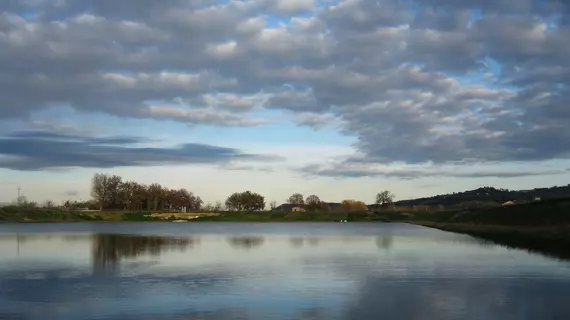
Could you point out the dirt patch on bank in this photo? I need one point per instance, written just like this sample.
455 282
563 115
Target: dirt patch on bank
183 215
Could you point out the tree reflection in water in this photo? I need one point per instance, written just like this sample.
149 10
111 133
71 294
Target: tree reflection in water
246 242
110 249
385 242
296 242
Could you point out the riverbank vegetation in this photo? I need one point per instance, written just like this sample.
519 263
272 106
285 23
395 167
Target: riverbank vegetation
111 194
553 212
118 200
549 213
19 214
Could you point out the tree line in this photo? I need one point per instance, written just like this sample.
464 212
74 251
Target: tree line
314 203
111 192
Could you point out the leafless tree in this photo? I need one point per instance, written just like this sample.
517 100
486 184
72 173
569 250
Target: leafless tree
100 188
296 199
312 202
384 197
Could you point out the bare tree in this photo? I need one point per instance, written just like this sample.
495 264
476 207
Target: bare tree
156 194
114 191
313 202
208 207
127 194
21 200
139 196
100 188
296 199
109 191
273 204
48 204
384 197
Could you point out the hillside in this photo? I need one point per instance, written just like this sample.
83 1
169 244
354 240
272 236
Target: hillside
490 195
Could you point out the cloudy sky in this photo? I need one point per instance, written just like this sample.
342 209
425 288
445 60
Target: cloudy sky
337 98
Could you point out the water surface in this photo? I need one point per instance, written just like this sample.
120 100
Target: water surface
270 271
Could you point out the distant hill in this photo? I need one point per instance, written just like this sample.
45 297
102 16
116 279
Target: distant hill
490 195
481 197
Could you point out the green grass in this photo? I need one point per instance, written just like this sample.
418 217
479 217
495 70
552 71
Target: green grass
20 214
23 214
541 213
289 217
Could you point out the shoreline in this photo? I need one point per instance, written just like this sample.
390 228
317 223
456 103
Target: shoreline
536 232
550 241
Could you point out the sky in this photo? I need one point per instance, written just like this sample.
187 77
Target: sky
342 99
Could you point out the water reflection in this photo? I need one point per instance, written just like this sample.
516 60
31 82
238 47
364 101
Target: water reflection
384 242
296 242
555 248
346 272
299 242
110 249
461 298
246 243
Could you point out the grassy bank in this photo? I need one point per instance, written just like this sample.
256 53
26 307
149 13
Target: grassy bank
18 214
551 213
539 226
290 216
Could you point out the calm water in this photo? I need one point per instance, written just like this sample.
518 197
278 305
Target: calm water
270 271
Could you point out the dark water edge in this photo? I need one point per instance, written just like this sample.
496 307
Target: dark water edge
551 242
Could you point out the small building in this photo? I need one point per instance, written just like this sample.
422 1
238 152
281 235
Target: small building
298 209
287 207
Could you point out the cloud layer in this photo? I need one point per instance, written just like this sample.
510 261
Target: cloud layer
36 150
344 170
435 81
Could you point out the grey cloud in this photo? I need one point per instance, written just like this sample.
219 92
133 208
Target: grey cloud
43 150
242 167
344 171
294 101
291 7
362 15
202 116
50 136
318 120
429 18
501 7
394 74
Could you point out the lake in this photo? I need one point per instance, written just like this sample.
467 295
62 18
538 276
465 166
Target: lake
272 271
